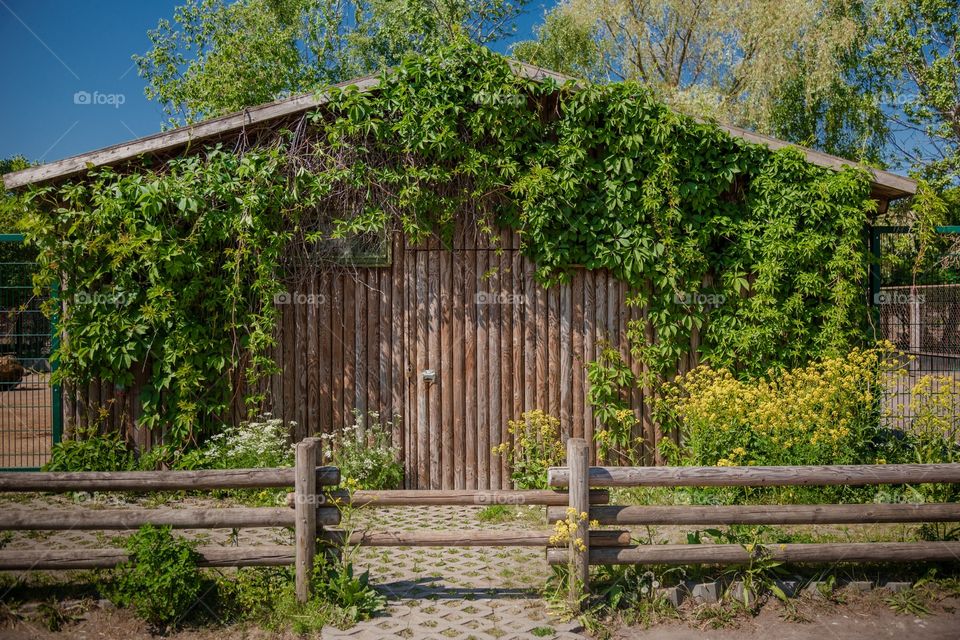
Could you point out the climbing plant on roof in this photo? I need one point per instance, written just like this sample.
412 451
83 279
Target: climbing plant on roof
169 272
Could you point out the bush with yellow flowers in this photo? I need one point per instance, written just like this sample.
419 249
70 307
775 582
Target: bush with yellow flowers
536 446
827 412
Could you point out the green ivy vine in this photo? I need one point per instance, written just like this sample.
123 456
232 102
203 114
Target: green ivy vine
758 251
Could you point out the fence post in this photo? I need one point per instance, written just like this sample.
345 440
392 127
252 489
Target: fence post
305 506
578 461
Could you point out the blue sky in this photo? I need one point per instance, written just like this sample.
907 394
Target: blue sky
69 84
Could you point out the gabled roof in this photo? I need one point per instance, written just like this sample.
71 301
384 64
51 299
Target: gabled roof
886 185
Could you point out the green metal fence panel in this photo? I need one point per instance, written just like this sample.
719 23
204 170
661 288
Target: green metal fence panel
915 302
30 407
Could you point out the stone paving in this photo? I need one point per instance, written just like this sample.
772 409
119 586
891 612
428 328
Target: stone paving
432 593
466 593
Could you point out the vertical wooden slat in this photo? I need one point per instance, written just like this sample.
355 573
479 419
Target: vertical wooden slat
276 380
519 304
458 417
508 300
423 418
312 399
553 351
385 352
483 373
399 344
472 421
566 360
289 363
602 334
411 419
300 305
576 332
360 346
324 353
589 353
543 343
349 348
435 363
446 373
495 367
372 341
636 391
529 337
336 347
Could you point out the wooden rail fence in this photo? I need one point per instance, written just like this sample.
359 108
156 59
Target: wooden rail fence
313 510
578 477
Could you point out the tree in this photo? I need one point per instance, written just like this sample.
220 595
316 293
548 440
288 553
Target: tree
219 56
779 67
914 60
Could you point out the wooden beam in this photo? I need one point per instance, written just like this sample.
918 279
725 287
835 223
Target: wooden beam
467 538
479 498
689 554
855 475
66 559
768 514
189 518
62 481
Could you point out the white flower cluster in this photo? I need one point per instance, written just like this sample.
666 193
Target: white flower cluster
262 443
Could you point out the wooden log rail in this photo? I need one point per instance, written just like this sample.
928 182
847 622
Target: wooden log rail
853 475
468 538
459 497
722 554
768 514
144 481
577 477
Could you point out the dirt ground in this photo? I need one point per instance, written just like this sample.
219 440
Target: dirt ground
862 619
25 423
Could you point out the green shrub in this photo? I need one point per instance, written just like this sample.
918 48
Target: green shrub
160 581
90 451
364 454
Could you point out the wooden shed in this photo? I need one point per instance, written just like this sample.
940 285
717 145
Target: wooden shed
446 342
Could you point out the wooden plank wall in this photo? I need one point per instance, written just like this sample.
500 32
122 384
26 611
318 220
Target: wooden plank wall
500 344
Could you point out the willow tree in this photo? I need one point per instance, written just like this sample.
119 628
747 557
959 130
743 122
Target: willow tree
782 67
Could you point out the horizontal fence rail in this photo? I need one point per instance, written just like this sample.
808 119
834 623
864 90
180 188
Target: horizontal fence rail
68 559
468 538
720 554
190 518
443 497
769 514
853 475
207 479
